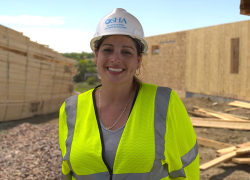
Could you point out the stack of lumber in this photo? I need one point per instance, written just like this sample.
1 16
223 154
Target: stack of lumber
34 79
237 154
240 104
211 118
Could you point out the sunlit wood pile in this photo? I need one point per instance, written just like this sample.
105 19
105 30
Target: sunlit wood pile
210 118
239 153
34 79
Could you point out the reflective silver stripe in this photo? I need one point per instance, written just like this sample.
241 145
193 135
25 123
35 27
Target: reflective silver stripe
186 160
161 107
66 177
97 176
158 171
162 98
70 110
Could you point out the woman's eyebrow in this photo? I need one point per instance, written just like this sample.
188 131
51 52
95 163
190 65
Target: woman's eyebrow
107 45
128 47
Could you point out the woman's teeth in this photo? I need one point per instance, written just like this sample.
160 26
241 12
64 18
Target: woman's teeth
115 70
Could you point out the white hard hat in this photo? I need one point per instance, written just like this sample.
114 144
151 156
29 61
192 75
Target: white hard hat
119 22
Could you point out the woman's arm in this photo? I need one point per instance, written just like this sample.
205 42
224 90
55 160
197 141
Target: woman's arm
181 148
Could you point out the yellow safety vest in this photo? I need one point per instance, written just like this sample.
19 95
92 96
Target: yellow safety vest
158 141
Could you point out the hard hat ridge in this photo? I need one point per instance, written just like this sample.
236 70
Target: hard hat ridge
119 22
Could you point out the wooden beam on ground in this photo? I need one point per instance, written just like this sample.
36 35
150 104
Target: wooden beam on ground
220 115
243 145
217 160
219 123
241 160
244 105
241 102
243 150
199 114
211 143
232 109
226 150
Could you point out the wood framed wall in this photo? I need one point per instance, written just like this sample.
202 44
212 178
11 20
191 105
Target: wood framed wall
166 68
200 61
209 61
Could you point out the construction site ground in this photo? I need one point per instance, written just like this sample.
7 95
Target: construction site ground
29 148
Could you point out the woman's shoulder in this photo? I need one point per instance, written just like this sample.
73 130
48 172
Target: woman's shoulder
148 85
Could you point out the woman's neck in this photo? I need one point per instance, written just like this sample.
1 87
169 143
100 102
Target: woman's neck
116 94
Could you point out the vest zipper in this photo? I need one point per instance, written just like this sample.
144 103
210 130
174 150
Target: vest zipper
101 136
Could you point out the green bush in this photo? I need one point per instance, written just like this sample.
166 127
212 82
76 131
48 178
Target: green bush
91 80
77 78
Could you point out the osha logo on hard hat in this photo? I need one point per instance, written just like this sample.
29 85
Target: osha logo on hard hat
116 20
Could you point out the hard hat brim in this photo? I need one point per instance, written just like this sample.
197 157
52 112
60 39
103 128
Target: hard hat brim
93 40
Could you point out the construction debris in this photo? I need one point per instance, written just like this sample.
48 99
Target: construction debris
240 104
229 153
232 109
220 123
212 143
220 115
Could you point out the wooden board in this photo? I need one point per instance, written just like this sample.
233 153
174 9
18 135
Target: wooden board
220 115
216 123
241 160
243 150
226 150
217 160
239 105
211 143
243 145
240 148
231 109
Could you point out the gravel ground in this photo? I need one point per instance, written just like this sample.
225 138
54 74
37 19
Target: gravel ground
30 152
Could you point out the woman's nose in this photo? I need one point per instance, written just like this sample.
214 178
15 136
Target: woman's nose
116 58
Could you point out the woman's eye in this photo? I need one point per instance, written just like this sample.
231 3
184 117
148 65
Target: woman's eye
107 50
127 52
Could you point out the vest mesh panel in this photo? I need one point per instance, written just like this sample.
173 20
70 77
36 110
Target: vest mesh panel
86 150
138 150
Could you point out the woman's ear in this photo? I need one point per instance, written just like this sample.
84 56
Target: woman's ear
139 61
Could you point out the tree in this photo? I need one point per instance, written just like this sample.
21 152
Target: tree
85 64
82 68
79 56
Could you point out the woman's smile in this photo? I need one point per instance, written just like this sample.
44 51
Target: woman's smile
115 71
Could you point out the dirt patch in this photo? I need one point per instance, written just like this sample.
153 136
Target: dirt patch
29 147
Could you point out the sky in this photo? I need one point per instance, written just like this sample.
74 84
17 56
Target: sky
68 26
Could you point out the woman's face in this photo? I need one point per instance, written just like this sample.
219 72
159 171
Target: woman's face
117 59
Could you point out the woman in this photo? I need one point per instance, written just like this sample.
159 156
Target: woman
125 129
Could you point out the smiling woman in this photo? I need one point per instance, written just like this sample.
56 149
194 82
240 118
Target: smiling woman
123 128
117 60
